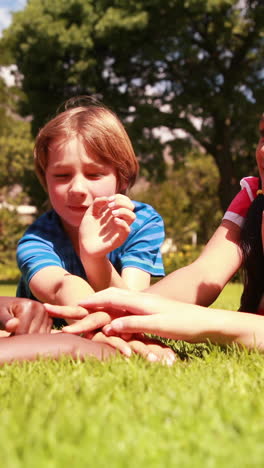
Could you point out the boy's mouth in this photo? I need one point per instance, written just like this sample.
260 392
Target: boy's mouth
78 209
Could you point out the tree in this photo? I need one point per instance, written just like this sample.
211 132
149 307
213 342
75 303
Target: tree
196 65
187 200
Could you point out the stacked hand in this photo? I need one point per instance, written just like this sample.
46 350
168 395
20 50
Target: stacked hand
23 316
89 323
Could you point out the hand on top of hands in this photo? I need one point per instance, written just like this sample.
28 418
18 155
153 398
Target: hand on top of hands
24 316
106 225
126 343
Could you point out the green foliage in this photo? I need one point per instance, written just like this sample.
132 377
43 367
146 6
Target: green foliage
10 232
16 152
180 60
175 260
17 167
188 200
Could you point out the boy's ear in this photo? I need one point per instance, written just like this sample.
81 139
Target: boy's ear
122 188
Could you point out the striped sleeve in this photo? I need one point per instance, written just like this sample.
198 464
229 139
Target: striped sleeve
33 254
143 246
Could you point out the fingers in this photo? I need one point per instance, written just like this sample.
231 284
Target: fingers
122 299
12 325
5 317
123 214
44 326
89 323
32 318
120 201
115 342
70 312
155 324
108 331
153 351
122 209
115 202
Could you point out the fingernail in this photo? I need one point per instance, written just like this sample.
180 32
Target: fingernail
111 198
169 361
115 212
152 357
117 325
127 352
107 329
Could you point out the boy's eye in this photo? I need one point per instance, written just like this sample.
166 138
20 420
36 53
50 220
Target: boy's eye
60 176
94 175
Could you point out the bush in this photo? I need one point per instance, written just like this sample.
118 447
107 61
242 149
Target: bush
186 255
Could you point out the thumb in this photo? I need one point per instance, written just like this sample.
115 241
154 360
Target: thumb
134 324
11 325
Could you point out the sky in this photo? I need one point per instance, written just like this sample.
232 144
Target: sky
6 7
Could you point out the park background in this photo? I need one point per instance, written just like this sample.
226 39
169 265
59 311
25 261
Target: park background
186 77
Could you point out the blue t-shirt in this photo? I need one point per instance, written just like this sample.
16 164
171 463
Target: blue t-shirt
45 243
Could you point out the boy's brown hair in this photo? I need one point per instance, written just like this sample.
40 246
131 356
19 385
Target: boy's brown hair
103 136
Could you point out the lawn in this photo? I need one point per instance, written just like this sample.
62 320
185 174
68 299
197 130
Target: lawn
205 411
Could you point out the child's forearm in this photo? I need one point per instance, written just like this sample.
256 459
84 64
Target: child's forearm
31 347
198 324
176 320
57 286
101 273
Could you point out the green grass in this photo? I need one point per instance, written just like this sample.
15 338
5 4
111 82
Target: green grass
205 411
230 297
8 289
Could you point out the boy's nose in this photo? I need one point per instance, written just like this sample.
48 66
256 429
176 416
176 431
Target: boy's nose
78 186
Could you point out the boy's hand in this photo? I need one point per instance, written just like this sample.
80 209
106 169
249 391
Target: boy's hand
105 225
24 316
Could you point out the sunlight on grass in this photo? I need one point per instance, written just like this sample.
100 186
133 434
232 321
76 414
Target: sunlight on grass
205 411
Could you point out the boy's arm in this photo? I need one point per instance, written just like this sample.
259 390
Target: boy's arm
55 285
104 228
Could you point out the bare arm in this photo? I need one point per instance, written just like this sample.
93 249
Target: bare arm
31 347
57 286
104 228
203 280
176 320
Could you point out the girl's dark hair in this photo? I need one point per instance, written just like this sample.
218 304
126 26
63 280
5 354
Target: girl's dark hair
253 260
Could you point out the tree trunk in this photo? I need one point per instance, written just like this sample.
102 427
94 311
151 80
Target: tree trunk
229 183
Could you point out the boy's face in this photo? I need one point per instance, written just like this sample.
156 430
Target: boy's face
74 179
260 152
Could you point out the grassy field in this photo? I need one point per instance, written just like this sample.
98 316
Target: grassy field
205 411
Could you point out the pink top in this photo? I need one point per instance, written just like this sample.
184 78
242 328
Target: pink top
238 208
